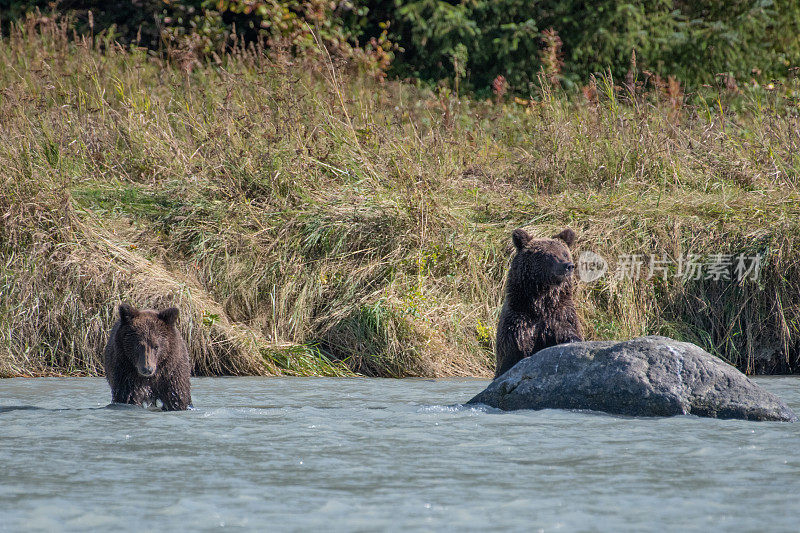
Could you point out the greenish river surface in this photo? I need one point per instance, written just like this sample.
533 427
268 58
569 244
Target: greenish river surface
324 454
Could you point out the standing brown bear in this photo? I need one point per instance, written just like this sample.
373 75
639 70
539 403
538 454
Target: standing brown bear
538 311
146 359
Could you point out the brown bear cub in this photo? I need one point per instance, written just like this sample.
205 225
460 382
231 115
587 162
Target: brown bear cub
538 311
146 359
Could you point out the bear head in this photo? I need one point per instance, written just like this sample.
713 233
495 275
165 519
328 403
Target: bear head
541 263
147 336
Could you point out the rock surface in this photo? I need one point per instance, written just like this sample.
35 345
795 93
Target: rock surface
648 376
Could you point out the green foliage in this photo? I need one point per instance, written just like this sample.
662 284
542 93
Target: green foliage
493 37
692 41
203 27
470 43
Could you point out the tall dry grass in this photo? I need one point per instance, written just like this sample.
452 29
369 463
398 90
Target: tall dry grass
308 219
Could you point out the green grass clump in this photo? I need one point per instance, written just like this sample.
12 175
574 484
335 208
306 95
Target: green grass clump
310 220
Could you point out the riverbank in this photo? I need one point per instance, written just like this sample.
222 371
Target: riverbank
310 220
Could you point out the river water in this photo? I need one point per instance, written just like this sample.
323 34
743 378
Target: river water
376 454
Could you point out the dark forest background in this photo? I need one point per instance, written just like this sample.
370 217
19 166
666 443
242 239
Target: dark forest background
468 44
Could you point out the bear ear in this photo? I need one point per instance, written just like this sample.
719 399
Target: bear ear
127 312
521 238
169 316
566 235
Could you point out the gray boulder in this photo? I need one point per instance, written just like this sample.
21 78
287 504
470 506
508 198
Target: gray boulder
648 376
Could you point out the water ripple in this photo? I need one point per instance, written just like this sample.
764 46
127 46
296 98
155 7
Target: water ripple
367 454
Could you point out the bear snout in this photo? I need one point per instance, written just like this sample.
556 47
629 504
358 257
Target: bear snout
145 366
565 270
146 371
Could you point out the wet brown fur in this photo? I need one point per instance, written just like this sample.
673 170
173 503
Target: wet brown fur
142 341
538 311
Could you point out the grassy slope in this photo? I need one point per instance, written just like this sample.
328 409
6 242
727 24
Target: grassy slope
301 216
